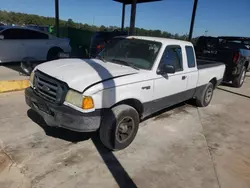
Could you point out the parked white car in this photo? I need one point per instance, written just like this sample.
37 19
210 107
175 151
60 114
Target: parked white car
19 44
129 80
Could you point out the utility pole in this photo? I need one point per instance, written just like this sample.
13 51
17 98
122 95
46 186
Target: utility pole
132 17
192 20
57 17
123 16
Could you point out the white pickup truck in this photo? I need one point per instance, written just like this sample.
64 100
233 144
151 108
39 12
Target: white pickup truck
130 79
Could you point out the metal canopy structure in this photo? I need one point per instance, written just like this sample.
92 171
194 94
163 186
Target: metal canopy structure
132 16
133 4
127 2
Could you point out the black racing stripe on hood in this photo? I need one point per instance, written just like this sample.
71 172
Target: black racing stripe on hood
106 80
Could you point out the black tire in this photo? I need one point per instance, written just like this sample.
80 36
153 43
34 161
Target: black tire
28 64
53 53
239 80
206 96
116 122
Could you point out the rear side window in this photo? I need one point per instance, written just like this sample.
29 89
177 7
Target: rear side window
23 34
173 56
35 35
190 56
14 34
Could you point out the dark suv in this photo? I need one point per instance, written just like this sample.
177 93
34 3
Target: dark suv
100 39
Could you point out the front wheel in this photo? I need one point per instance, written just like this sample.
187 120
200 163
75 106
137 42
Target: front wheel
119 127
206 96
239 80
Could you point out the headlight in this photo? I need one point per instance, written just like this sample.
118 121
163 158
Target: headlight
77 99
32 75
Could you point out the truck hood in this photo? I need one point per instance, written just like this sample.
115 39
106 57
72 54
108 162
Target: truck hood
81 73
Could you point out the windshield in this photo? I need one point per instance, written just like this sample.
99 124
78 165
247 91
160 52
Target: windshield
132 52
236 43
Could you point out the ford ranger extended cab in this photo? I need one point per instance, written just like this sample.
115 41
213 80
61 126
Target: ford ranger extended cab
129 80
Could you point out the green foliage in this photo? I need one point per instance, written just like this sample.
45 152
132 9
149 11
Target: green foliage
22 19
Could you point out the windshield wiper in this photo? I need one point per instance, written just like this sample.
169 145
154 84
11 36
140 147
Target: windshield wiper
98 56
126 63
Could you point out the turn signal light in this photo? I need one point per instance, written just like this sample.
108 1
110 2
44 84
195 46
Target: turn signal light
87 103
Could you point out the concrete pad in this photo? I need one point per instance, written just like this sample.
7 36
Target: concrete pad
226 126
12 72
11 78
10 175
170 150
183 147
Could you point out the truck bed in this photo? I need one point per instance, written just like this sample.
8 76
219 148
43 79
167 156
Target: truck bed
202 63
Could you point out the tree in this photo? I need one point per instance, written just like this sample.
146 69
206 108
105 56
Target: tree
22 18
102 28
70 23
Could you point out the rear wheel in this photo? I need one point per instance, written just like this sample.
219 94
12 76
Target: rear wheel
239 80
206 96
53 53
28 64
119 127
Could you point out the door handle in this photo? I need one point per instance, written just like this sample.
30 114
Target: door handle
146 87
184 77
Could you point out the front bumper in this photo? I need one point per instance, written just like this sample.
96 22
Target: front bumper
63 116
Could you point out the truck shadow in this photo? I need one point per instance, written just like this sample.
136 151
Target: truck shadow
226 84
177 106
116 169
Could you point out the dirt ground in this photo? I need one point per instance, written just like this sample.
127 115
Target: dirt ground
183 147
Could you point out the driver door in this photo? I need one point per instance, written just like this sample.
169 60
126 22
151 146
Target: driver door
169 88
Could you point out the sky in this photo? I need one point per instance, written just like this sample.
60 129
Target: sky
218 17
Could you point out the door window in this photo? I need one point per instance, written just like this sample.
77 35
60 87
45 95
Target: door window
172 56
190 56
36 35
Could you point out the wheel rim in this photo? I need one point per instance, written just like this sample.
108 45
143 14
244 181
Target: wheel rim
125 129
209 94
26 67
242 77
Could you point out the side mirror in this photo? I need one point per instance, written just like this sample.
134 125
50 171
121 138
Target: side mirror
166 69
1 37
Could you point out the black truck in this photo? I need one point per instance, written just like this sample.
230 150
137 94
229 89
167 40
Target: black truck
233 51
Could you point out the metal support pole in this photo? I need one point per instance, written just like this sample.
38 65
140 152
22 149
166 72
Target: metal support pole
57 17
132 17
123 15
192 20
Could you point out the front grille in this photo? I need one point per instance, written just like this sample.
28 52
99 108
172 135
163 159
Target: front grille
49 88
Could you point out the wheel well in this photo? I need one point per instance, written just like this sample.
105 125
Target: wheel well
214 82
54 49
134 103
